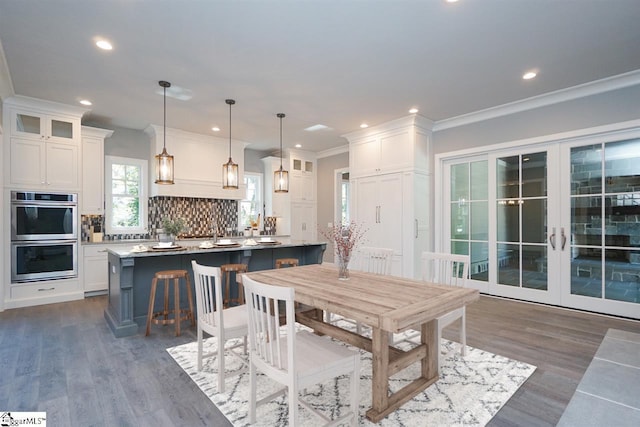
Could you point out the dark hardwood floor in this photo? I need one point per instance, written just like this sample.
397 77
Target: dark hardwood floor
62 359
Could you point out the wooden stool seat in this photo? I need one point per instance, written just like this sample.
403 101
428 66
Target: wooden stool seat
163 317
284 262
226 270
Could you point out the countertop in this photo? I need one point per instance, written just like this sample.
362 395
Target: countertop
192 247
191 241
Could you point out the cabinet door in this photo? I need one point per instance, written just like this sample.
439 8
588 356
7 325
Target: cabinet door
303 221
396 152
62 165
364 158
95 273
28 160
27 125
92 176
302 187
389 191
366 208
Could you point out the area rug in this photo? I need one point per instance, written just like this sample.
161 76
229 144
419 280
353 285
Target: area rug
470 391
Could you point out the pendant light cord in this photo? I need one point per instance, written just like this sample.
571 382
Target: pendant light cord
280 116
164 128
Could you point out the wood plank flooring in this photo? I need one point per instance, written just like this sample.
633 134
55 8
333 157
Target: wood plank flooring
62 359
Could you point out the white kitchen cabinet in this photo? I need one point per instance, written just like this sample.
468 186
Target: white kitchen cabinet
378 208
42 147
40 164
198 161
393 147
29 124
303 222
94 265
302 176
389 170
92 197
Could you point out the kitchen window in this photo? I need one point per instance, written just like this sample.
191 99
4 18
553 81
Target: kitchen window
125 195
251 206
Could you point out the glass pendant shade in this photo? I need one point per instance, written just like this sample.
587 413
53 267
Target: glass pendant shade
230 169
164 168
164 161
281 176
230 175
281 181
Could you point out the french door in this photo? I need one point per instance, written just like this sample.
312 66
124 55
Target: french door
557 223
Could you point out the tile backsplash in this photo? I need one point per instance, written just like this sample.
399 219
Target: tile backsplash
204 217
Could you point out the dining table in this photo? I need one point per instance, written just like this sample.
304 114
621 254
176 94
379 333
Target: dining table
387 304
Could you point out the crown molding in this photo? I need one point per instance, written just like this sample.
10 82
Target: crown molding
332 151
401 123
44 106
595 87
96 132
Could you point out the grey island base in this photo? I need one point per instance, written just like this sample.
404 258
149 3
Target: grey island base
131 273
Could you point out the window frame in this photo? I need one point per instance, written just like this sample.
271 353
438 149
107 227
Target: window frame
142 164
260 192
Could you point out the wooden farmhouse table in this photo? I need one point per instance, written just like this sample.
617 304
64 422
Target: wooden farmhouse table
386 304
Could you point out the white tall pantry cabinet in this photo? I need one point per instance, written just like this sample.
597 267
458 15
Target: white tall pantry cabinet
296 210
390 174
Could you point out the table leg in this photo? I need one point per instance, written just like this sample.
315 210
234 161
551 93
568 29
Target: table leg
380 368
429 336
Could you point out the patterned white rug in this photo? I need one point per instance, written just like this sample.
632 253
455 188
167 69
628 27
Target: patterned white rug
470 391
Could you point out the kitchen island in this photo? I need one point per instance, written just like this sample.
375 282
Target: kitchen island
130 273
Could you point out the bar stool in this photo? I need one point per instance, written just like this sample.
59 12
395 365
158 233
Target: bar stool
178 314
226 270
286 262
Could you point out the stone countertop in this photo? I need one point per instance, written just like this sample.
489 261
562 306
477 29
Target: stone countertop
182 242
192 247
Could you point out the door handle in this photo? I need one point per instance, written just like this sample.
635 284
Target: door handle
416 223
563 238
552 239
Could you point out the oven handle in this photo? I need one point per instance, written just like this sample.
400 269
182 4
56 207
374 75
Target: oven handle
41 203
43 242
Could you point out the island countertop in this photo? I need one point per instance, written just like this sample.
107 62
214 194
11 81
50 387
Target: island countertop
131 272
190 247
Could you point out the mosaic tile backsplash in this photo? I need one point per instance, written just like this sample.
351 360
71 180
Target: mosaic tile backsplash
204 217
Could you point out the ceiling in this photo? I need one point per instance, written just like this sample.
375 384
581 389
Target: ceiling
338 63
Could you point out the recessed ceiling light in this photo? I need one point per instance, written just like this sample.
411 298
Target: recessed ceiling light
104 44
298 145
529 75
215 129
85 102
452 1
364 125
413 110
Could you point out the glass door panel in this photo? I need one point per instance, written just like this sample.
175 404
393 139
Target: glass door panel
605 225
469 215
521 220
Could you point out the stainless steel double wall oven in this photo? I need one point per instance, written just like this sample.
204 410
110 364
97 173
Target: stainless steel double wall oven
44 236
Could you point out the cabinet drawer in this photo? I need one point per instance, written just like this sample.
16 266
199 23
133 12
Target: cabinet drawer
95 251
43 289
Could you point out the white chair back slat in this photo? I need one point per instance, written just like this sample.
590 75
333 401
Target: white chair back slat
267 340
208 294
445 269
375 260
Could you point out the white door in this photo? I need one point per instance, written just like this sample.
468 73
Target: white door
558 224
601 219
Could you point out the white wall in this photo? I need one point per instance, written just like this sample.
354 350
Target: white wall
325 192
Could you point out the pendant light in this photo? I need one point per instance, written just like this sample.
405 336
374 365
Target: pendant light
164 162
281 176
230 169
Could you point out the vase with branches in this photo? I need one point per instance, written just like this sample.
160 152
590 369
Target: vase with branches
345 238
172 228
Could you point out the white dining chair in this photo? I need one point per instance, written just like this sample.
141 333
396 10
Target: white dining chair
370 260
452 270
223 323
296 360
